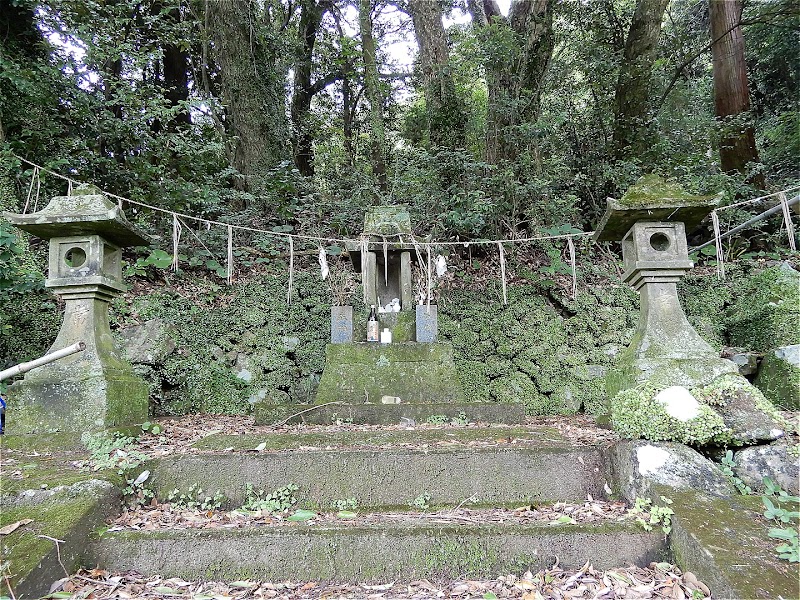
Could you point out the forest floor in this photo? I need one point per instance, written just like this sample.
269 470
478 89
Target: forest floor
657 581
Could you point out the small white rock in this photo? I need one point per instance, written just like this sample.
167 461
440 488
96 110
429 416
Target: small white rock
651 458
679 403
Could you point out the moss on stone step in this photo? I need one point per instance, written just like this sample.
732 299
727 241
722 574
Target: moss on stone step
542 436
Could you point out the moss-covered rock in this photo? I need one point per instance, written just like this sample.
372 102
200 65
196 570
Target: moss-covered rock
765 313
779 377
731 412
635 413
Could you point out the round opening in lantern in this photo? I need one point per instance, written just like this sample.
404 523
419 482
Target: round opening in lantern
75 257
659 242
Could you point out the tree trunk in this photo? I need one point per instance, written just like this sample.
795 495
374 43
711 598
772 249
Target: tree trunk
632 98
446 113
731 92
253 88
514 78
176 81
311 13
373 93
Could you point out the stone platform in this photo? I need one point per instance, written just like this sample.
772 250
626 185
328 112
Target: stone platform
360 378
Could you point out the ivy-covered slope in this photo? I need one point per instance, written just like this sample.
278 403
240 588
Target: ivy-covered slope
239 344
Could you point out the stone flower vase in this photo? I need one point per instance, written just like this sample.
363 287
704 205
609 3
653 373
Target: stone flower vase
341 324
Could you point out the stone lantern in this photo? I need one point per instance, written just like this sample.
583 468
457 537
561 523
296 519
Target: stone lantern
97 388
650 220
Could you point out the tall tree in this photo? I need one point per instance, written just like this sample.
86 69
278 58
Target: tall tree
253 85
731 90
517 51
446 112
373 92
311 14
632 96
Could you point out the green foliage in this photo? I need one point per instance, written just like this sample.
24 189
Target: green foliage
111 451
438 420
782 508
277 501
346 505
728 465
767 310
14 277
153 428
136 493
421 502
650 515
195 499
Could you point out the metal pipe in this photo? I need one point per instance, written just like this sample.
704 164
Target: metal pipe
767 213
47 358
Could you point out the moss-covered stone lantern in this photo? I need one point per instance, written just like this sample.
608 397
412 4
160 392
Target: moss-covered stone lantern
97 388
651 220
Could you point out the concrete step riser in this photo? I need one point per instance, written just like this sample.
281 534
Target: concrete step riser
394 478
373 554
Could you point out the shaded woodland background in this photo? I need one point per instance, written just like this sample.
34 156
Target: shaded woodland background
297 114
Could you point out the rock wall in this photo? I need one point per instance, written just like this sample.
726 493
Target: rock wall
223 348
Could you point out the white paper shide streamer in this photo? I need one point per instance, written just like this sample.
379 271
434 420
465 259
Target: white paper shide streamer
787 219
441 265
323 263
718 243
571 248
291 270
503 271
176 240
230 254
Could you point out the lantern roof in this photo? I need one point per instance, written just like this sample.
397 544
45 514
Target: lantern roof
87 211
652 198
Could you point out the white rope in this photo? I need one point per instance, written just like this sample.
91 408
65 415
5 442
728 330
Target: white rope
503 271
230 255
787 219
176 240
291 270
760 198
718 244
571 247
209 222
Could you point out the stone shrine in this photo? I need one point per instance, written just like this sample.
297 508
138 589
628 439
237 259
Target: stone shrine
651 220
97 388
413 377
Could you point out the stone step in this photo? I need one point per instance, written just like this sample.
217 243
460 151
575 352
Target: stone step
392 477
387 414
373 553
